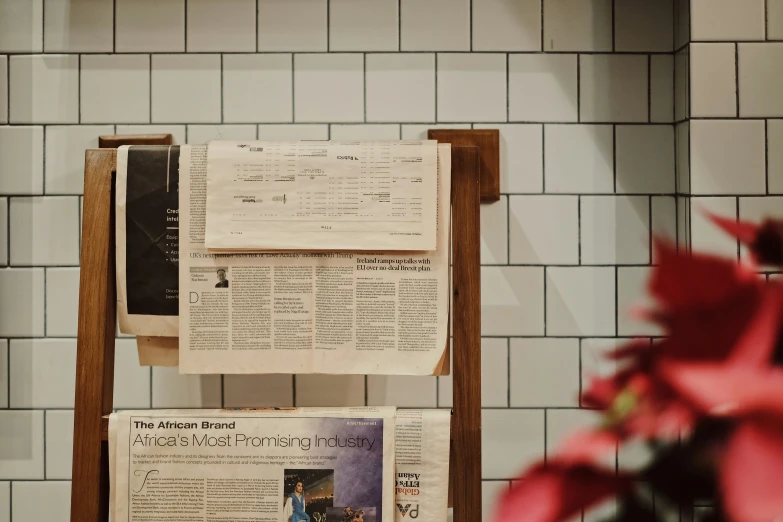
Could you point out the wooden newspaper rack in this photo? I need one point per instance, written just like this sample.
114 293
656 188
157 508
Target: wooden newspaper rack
97 328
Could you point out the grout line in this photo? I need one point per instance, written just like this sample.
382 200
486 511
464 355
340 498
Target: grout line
737 210
766 20
543 47
470 19
364 84
614 44
328 25
508 372
766 157
614 157
649 88
650 228
186 25
258 35
150 111
436 88
546 446
293 389
293 89
543 158
545 307
578 88
79 87
736 77
405 51
114 28
44 438
508 88
579 229
222 97
508 229
616 303
399 25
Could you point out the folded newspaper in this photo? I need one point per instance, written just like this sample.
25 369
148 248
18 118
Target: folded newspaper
279 465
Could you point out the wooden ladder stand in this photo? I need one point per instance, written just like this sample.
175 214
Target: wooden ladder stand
97 320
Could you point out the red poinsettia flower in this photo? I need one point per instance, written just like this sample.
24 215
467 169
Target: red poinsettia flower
765 241
567 483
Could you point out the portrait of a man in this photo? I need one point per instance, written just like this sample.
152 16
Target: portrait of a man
222 281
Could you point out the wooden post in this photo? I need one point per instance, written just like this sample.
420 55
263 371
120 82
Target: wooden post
466 288
95 345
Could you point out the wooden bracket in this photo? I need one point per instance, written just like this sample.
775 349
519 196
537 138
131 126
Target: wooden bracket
488 143
115 141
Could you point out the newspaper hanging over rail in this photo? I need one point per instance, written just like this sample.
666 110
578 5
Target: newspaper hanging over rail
321 195
281 465
309 312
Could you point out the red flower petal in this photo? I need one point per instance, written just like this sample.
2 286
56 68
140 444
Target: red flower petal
556 493
586 447
744 231
752 473
727 391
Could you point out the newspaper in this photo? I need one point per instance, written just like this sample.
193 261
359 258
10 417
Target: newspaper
279 465
306 312
244 465
147 239
321 195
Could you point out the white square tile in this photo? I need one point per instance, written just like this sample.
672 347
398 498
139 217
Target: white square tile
131 381
720 149
775 19
292 26
775 155
43 373
682 157
363 25
65 146
645 159
632 295
578 159
328 87
22 302
22 446
27 505
544 372
329 390
577 25
511 300
177 131
186 88
21 160
494 232
506 25
705 236
760 79
615 230
580 301
471 87
682 84
404 391
78 26
364 132
293 132
59 444
494 376
228 25
596 358
256 391
521 157
544 230
150 26
4 374
400 87
435 25
3 89
5 502
3 231
644 26
21 26
662 88
613 88
202 134
542 87
664 219
247 75
62 301
491 490
511 440
111 77
560 424
44 89
172 390
44 230
727 20
419 132
712 80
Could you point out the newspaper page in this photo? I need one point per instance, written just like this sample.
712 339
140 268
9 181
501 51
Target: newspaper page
321 195
422 441
280 465
147 239
305 312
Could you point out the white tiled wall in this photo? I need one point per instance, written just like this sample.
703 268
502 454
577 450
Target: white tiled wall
584 92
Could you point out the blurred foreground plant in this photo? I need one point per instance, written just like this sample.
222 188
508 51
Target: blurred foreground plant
707 399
